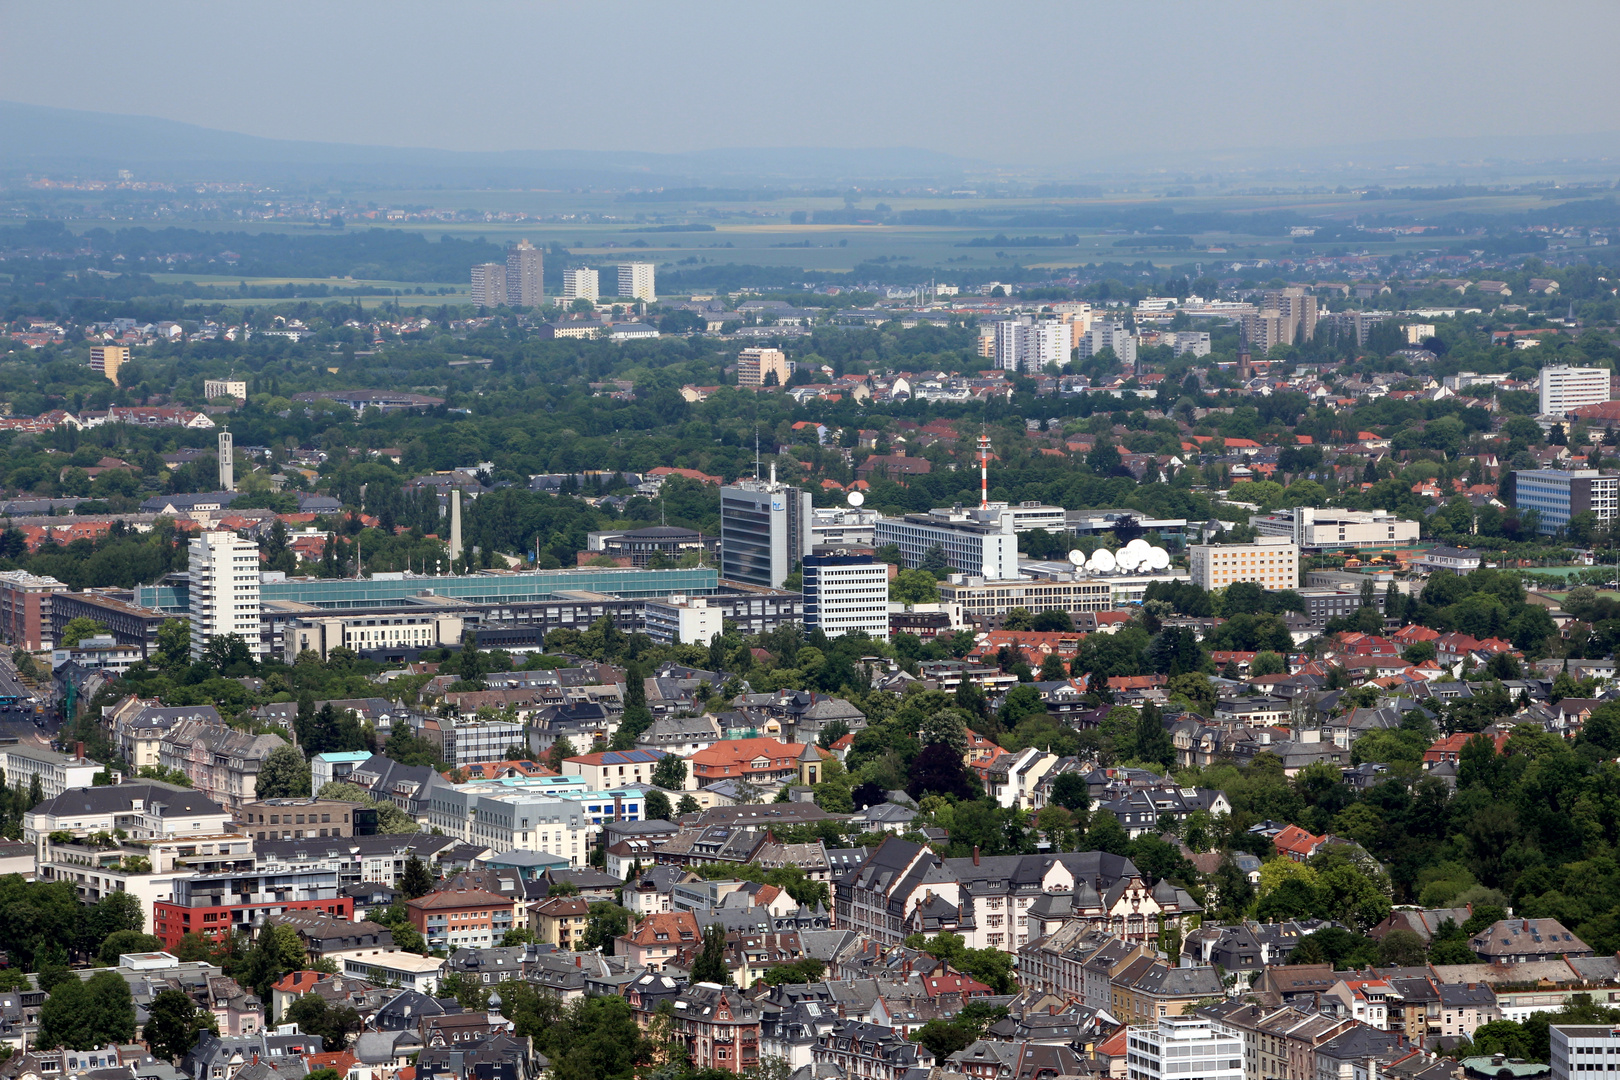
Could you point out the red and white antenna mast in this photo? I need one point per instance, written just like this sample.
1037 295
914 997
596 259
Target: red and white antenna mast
984 471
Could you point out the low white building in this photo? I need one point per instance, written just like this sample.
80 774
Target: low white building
56 772
1323 530
406 970
685 619
1184 1046
99 653
1014 776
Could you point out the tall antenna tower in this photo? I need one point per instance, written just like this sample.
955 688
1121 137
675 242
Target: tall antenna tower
984 471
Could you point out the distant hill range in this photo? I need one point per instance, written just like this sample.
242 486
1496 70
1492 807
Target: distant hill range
66 142
60 142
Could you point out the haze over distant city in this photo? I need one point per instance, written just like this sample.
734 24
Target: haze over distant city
1039 86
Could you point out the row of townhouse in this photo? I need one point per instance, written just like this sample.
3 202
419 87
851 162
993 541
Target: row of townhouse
1002 902
1127 979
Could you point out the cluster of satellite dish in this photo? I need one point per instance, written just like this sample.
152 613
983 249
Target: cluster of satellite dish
1138 556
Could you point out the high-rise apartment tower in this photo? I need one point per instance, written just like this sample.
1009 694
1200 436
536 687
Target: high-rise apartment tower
525 285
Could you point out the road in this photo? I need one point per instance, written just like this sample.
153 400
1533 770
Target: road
20 722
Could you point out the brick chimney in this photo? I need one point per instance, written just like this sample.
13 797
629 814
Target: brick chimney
975 854
78 750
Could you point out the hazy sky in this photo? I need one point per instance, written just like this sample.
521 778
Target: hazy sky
1040 81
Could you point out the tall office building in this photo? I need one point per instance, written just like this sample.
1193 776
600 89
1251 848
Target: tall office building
846 594
764 531
754 365
525 283
107 359
1565 389
224 577
488 285
580 283
636 282
1556 495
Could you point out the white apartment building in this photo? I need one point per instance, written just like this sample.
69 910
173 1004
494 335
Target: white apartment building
1027 345
581 283
231 388
1272 562
1565 389
846 594
504 818
1110 335
1185 1046
636 281
1319 530
1014 776
57 772
224 573
980 543
1184 342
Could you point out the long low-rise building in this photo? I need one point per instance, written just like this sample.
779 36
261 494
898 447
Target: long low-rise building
379 859
56 772
1324 530
398 631
1557 496
974 541
985 598
503 816
128 624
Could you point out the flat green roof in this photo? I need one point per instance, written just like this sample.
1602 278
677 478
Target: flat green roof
631 583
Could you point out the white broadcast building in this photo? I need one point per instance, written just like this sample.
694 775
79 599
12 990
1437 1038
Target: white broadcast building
224 578
1565 389
978 542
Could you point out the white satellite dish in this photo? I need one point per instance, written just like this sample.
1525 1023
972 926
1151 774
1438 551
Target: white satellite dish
855 498
1102 561
1077 557
1140 546
1158 559
1128 559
